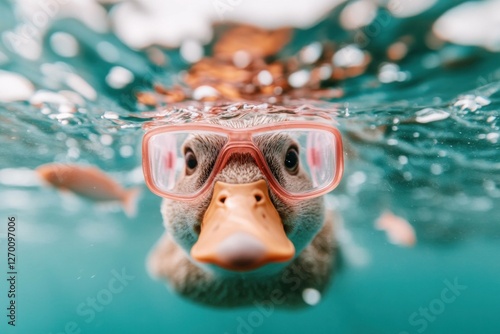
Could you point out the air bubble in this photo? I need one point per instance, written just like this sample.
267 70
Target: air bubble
311 53
126 151
241 59
204 92
191 51
436 169
348 56
403 160
265 78
106 140
493 137
299 79
118 77
311 296
74 153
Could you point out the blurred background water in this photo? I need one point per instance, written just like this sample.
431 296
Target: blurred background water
421 129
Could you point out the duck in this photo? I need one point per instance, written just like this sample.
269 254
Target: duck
236 280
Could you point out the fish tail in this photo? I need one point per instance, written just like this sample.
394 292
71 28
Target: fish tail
130 202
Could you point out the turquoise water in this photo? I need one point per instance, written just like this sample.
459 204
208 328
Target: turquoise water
425 148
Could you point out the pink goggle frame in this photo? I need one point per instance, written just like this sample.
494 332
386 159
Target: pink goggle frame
240 140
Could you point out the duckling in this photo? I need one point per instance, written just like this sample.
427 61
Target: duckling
235 278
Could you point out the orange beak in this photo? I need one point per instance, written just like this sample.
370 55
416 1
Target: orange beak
241 229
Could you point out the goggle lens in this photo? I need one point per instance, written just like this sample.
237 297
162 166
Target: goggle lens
300 161
174 155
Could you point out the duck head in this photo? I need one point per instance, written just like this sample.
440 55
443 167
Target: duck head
240 226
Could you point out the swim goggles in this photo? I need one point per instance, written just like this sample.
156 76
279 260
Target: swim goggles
299 159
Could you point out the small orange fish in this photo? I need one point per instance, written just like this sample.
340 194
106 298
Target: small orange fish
89 182
399 231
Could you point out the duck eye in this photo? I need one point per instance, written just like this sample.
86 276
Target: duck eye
292 160
190 160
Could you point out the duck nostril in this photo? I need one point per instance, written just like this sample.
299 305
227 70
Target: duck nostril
222 199
258 197
197 229
288 229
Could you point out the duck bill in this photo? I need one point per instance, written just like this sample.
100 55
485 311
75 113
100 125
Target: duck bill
241 229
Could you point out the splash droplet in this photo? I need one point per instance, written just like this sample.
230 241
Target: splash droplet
299 79
106 139
14 87
64 44
191 51
311 53
429 115
265 78
118 77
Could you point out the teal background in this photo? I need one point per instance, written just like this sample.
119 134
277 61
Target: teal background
68 247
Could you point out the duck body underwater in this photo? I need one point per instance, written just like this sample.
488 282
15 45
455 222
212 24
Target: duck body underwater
243 208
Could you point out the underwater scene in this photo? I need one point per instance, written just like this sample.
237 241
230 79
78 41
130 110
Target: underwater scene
232 166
